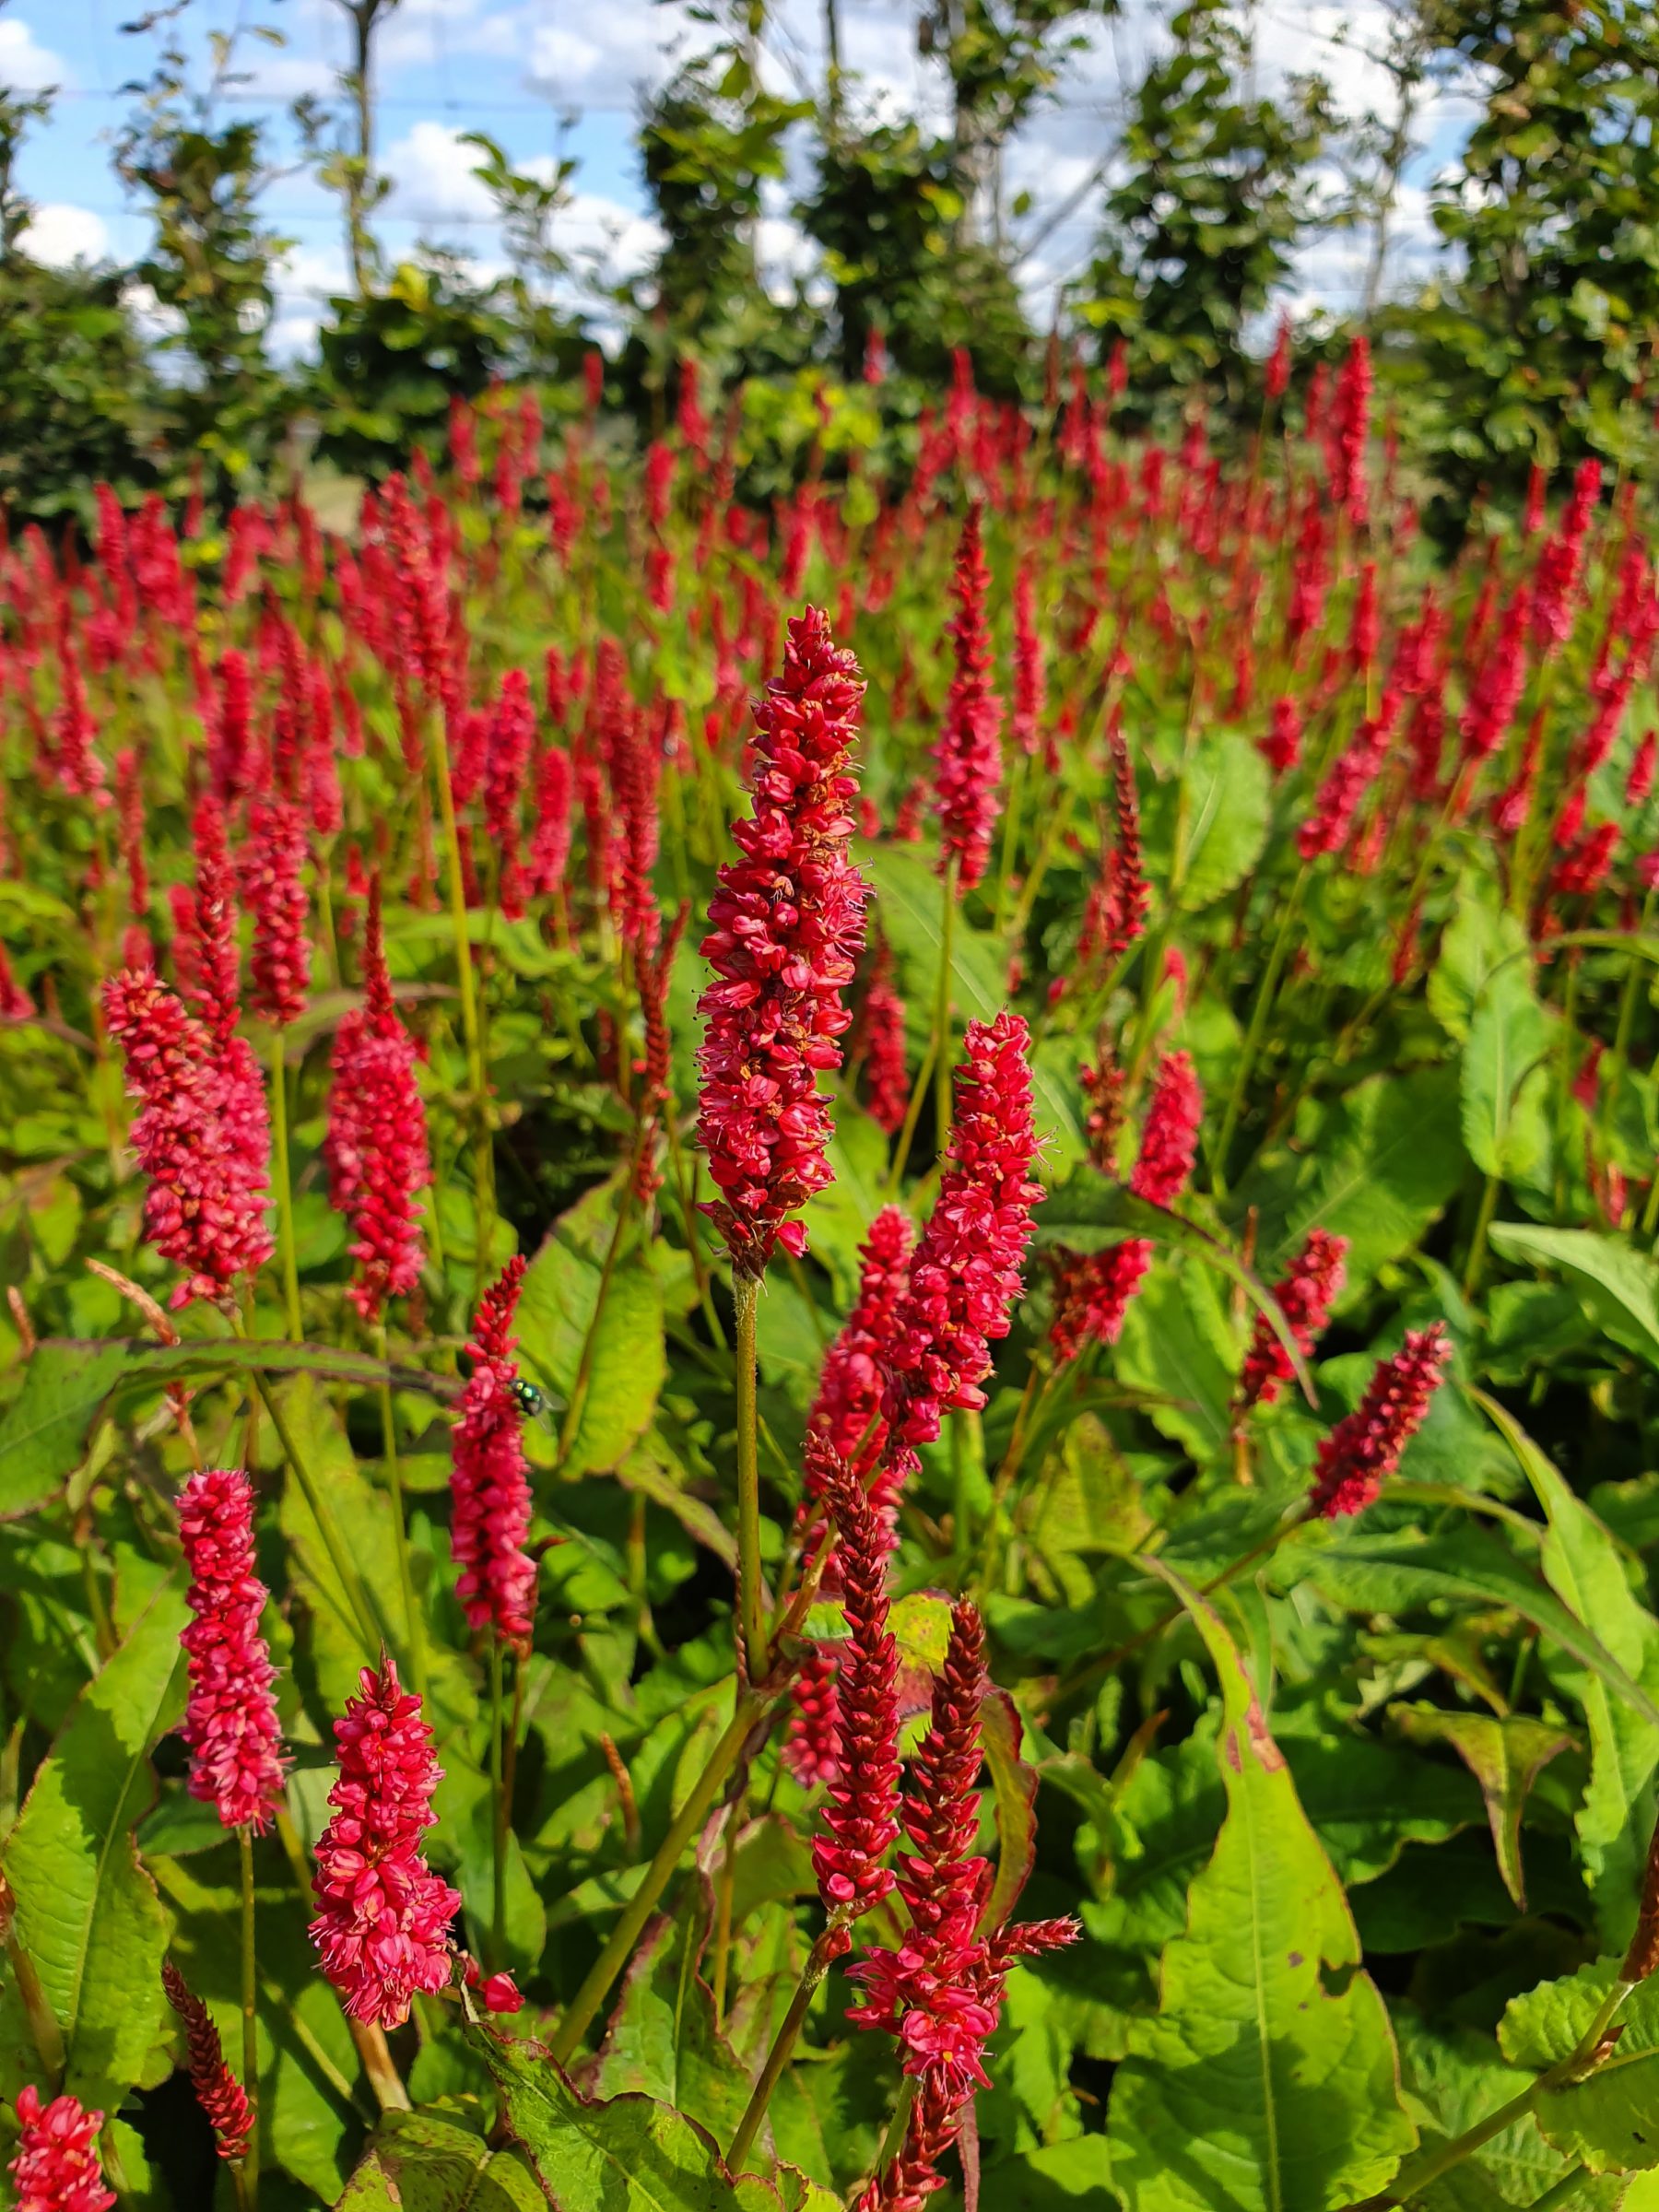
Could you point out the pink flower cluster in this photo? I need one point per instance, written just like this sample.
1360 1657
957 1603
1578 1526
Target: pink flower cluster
383 1925
231 1721
1305 1297
967 757
219 2094
490 1478
272 864
200 1136
56 2168
861 1818
786 925
1093 1289
1364 1448
967 1272
376 1143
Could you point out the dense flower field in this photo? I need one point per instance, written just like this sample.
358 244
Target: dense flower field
832 1334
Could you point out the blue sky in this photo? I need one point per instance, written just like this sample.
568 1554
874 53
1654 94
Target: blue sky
551 76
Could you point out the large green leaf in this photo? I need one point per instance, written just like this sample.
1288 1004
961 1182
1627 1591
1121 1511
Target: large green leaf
420 2162
1505 1080
629 1365
1454 2078
1506 1757
663 2041
1204 828
1482 939
1268 2078
1411 1568
1375 1167
1619 1284
1585 1569
88 1912
44 1435
629 2151
1178 1343
1607 2120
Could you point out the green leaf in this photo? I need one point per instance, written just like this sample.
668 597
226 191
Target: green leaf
1506 1757
1607 2120
629 2151
1504 1076
1223 793
1269 2077
1378 1167
1178 1342
1483 934
1454 2078
1619 1285
663 2041
1398 1572
1015 1785
557 1309
420 2162
44 1435
1584 1570
88 1912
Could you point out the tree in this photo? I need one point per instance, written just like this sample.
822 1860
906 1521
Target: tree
1219 191
343 145
211 261
1546 331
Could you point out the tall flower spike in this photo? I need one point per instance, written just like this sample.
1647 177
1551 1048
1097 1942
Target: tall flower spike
967 1271
490 1478
786 926
376 1145
231 1721
56 2168
273 861
967 757
1093 1289
383 1925
219 2094
862 1816
200 1135
1364 1448
886 1077
1305 1298
853 1377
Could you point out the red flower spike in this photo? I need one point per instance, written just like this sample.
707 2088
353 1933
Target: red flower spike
862 1816
853 1377
200 1136
383 1925
786 926
1170 1141
231 1721
272 862
490 1478
376 1143
885 1074
219 2094
1364 1448
56 2167
968 756
913 2176
1305 1298
813 1750
967 1271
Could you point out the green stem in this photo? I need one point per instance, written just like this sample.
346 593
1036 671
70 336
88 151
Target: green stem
584 1366
357 1596
250 2009
1478 1242
405 1574
818 1961
498 1824
438 753
1415 2176
746 1294
1011 826
1258 1024
285 1190
751 1705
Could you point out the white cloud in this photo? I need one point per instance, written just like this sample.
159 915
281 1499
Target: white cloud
433 180
25 64
59 233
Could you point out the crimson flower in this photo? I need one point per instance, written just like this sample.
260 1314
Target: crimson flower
271 864
490 1478
231 1721
383 1926
1364 1448
219 2094
376 1143
886 1075
1305 1297
200 1136
56 2167
786 925
967 757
